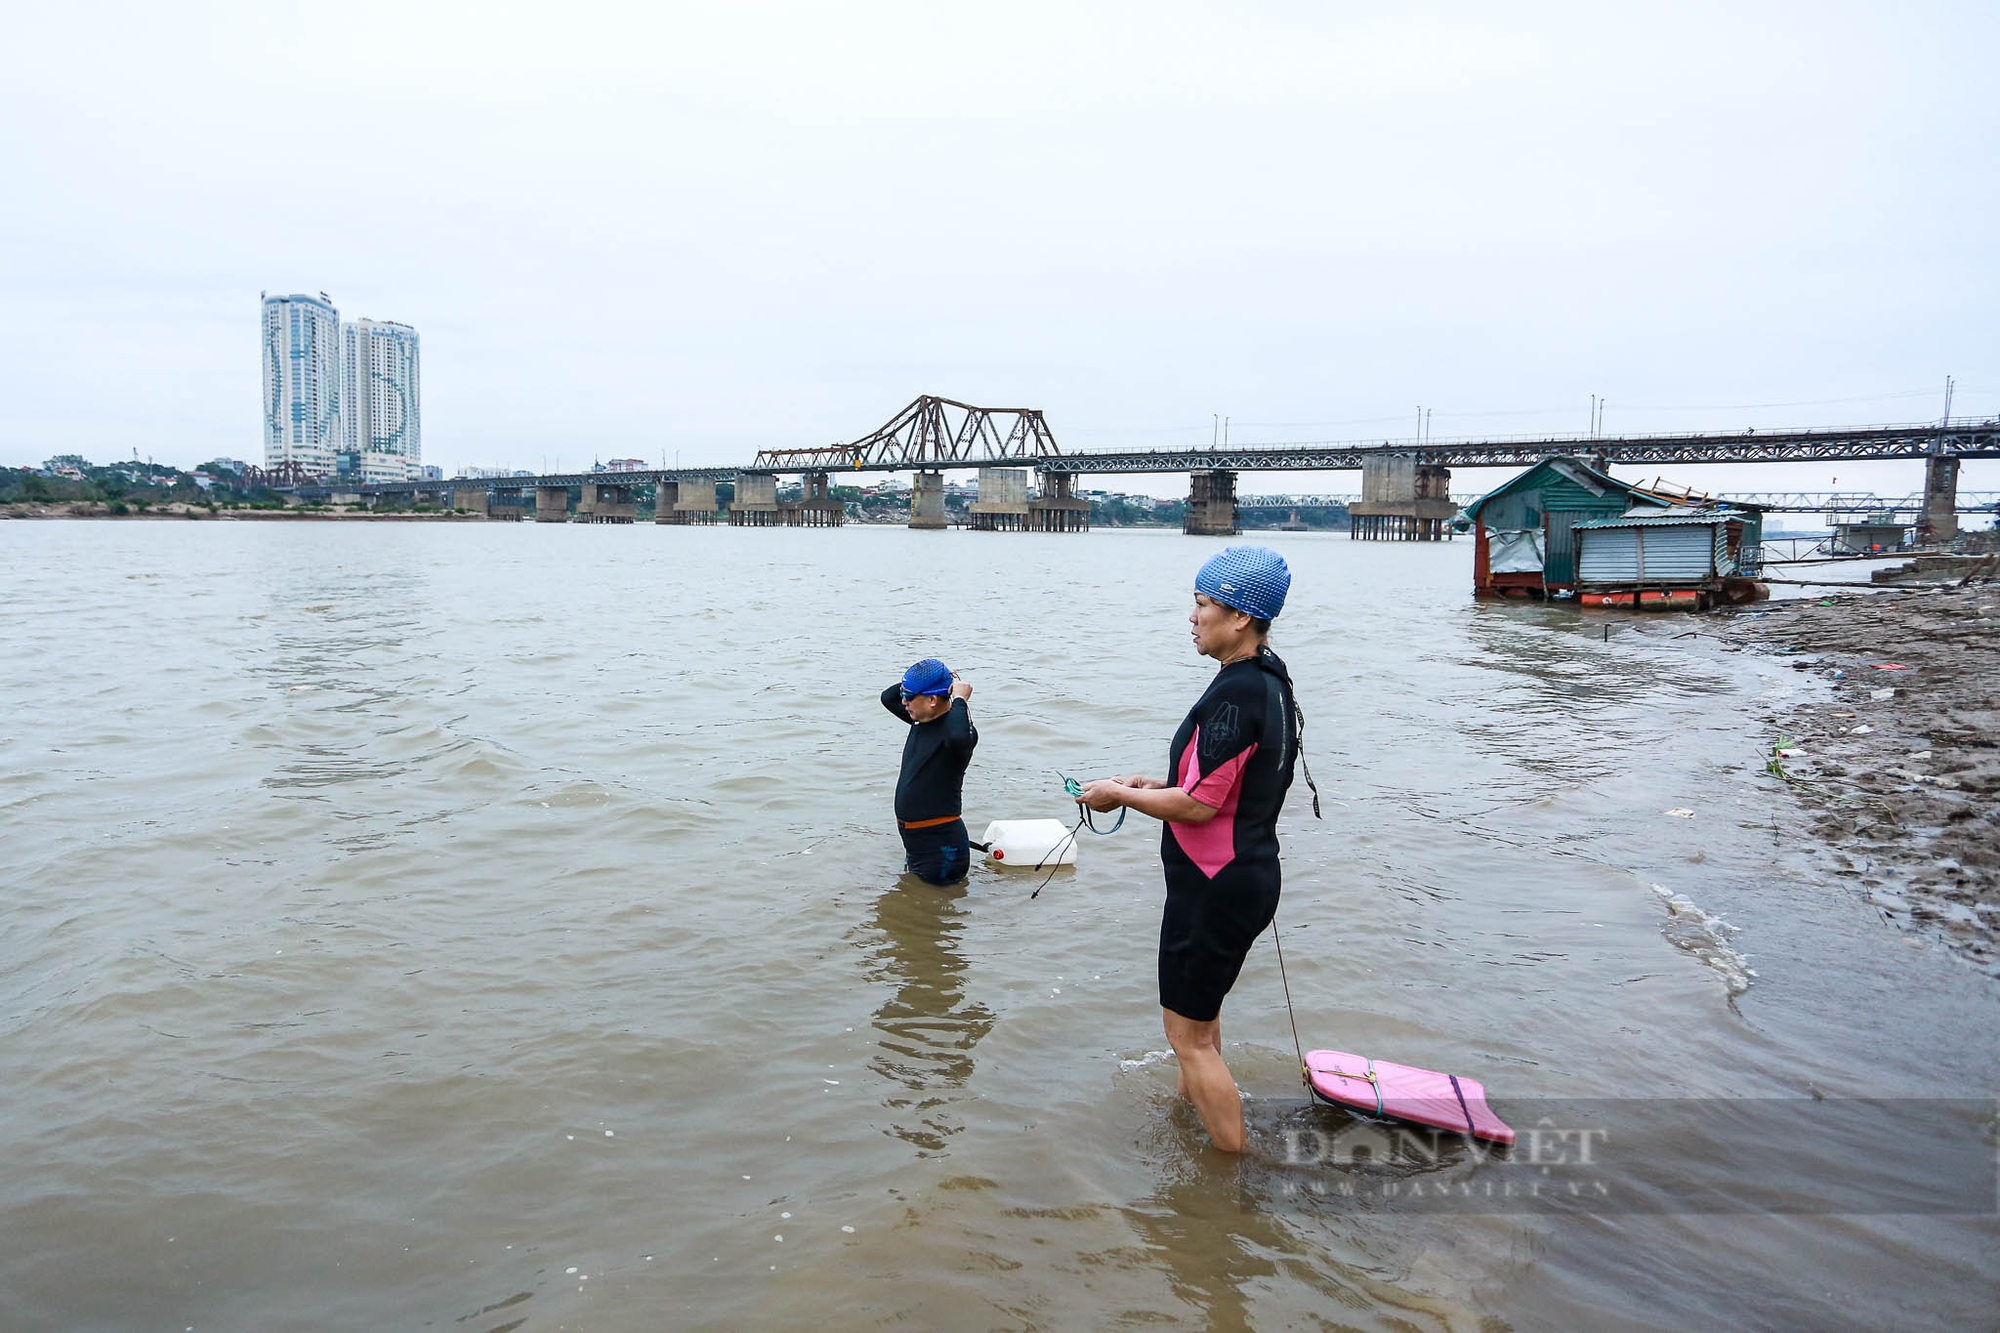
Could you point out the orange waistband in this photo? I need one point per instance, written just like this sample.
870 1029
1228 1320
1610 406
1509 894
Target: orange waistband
928 823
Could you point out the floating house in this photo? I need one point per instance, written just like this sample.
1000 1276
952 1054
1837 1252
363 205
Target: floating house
1684 557
1524 533
1528 537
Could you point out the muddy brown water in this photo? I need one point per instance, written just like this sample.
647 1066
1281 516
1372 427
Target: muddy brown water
499 927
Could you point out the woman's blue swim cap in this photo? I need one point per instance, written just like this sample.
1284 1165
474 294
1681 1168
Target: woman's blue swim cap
1253 579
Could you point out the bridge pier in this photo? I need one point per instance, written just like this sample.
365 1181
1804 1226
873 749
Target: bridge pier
666 495
505 505
1211 508
816 507
551 504
1058 508
605 502
1402 500
1002 505
697 501
756 502
1938 524
472 499
927 501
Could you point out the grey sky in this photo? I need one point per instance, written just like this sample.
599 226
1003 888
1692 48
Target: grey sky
642 230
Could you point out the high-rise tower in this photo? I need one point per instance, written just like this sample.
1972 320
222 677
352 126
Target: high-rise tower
380 401
301 337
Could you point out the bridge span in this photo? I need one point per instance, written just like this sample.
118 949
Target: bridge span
1781 502
1404 481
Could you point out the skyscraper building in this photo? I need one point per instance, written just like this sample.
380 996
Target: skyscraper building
381 401
301 350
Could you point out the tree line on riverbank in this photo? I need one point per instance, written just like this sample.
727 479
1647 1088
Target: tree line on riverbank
135 487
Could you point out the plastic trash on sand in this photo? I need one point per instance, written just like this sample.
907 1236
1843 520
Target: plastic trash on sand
1679 812
1879 695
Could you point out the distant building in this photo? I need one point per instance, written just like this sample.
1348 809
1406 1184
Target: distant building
429 472
380 401
626 465
301 355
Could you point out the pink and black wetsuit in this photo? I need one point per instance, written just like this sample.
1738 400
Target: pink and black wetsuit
1235 752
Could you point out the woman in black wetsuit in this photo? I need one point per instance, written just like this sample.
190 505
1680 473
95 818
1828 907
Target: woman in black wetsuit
1231 765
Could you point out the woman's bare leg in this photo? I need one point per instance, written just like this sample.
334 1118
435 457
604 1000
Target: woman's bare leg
1205 1080
1182 1088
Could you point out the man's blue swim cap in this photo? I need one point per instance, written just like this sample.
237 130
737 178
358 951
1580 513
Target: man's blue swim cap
929 676
1253 579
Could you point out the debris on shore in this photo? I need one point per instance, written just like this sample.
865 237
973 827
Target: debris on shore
1902 767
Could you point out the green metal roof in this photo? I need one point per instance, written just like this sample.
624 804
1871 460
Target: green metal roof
1567 484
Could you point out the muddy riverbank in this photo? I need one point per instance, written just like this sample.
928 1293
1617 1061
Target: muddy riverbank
1900 760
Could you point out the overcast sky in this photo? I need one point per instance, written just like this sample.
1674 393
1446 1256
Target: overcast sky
691 231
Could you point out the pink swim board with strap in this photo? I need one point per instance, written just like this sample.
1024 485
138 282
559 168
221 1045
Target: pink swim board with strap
1449 1102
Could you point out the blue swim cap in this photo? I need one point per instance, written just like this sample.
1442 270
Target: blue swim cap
1253 579
929 676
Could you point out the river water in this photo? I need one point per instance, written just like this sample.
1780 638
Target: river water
499 926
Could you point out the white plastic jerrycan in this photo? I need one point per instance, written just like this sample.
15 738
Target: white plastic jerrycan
1031 844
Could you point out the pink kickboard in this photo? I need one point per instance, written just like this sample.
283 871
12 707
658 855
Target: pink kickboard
1421 1096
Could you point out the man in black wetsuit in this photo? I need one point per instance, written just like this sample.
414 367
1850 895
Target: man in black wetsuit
928 792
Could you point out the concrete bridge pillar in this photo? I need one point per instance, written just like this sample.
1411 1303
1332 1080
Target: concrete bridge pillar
927 501
469 498
1059 508
1002 505
1211 505
605 502
666 495
551 504
756 502
1938 524
697 501
816 507
505 505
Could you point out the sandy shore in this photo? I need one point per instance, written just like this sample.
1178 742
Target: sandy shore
1902 767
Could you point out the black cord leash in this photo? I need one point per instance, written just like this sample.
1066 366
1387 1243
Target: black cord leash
1057 851
1083 821
1275 664
1271 662
1298 1048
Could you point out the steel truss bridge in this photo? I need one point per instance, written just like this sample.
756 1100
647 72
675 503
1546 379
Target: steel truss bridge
929 434
941 434
1783 502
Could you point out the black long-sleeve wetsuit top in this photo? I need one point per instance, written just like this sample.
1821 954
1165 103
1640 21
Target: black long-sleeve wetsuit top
935 755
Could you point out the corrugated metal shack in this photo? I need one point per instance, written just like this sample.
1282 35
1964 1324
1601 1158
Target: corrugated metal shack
1683 557
1524 542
